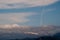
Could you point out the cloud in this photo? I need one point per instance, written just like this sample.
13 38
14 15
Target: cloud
25 3
15 17
34 33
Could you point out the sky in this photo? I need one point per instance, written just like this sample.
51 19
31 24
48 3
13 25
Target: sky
30 12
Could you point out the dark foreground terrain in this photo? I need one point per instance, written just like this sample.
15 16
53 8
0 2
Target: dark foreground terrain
53 37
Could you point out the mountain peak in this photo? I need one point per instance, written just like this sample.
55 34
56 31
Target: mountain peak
9 26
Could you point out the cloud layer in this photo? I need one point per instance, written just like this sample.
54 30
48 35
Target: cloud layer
15 17
25 3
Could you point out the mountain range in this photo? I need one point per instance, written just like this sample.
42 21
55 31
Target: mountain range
12 31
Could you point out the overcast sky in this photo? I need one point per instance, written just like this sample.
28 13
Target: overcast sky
28 12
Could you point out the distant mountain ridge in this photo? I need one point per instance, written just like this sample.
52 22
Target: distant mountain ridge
17 31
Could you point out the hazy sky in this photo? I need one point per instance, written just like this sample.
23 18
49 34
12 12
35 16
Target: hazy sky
28 12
